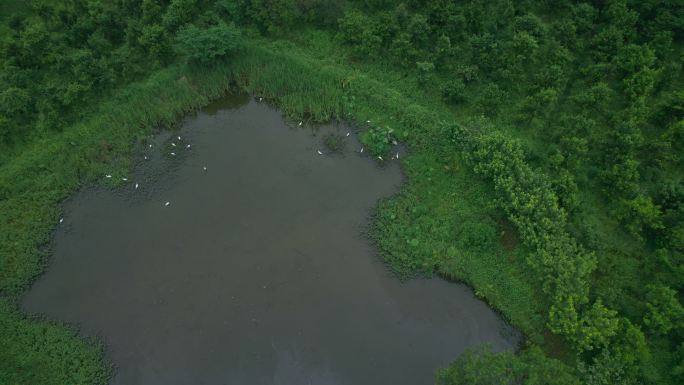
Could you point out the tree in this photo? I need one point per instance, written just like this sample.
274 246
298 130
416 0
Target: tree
356 30
641 213
664 312
272 16
597 325
632 58
155 41
454 90
425 71
204 46
178 13
605 369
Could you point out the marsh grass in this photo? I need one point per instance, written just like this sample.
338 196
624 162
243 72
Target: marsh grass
334 142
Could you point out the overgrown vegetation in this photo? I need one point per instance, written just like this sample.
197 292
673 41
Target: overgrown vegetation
545 141
334 142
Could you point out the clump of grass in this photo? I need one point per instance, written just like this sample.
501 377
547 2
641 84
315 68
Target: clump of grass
334 142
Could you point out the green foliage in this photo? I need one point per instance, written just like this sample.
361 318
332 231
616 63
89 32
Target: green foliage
356 30
598 325
640 214
155 40
454 90
37 352
605 369
178 13
379 139
425 70
205 46
483 367
664 310
59 59
478 236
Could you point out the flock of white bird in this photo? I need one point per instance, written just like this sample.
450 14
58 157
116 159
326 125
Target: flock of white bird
204 168
137 185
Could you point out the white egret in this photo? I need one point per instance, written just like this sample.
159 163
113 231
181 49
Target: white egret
348 133
397 155
124 179
173 144
204 168
61 220
108 176
167 203
379 157
136 186
173 154
361 150
319 152
188 146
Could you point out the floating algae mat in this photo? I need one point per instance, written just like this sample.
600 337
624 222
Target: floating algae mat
239 258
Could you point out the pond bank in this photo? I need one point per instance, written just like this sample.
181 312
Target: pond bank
257 271
103 146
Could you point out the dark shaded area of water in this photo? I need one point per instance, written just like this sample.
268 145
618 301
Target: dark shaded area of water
257 272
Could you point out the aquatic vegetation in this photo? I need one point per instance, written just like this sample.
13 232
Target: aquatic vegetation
334 142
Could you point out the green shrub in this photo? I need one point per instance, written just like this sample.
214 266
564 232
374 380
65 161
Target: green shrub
379 139
484 367
454 90
480 235
425 71
204 46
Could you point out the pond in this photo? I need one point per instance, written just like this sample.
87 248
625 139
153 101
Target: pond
242 259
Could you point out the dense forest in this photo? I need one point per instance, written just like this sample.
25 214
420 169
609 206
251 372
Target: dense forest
568 114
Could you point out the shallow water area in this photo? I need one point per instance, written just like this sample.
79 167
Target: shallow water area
257 271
